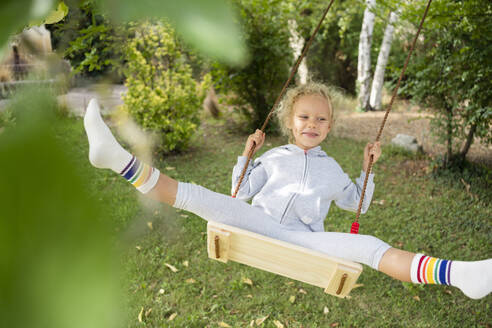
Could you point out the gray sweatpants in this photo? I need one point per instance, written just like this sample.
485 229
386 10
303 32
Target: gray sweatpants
224 209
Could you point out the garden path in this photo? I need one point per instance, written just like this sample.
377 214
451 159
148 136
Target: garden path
109 97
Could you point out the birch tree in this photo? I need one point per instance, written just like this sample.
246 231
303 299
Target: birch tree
377 83
364 58
297 44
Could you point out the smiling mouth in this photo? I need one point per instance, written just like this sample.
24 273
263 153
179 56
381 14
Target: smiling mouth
310 134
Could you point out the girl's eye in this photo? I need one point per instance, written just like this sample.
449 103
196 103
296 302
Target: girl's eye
322 119
303 117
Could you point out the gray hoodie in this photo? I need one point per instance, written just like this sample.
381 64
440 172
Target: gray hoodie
297 187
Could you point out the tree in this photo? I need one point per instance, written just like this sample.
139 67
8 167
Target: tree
453 76
364 59
378 80
297 44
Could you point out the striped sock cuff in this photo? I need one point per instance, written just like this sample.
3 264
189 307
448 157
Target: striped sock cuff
142 176
151 182
430 270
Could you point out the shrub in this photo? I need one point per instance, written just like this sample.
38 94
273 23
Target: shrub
92 44
162 95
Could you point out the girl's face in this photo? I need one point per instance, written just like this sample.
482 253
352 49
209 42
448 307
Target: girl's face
310 121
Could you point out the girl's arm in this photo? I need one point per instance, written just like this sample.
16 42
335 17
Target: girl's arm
349 198
255 176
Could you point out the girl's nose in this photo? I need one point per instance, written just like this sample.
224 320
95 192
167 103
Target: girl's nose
311 123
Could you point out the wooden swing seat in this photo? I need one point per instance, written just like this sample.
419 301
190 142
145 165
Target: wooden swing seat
337 276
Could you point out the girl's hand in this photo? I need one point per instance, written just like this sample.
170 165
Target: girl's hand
373 149
257 138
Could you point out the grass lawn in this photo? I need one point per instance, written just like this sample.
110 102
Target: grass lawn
411 209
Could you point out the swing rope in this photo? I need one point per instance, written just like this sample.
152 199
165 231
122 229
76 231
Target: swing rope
355 225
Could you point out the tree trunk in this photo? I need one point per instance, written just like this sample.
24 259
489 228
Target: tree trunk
449 136
469 141
364 58
377 83
261 112
297 45
211 103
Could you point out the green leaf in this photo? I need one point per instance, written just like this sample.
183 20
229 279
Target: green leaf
57 15
209 25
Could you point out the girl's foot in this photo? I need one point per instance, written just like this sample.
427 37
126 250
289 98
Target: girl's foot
474 278
104 151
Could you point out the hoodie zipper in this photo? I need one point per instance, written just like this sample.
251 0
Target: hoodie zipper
303 182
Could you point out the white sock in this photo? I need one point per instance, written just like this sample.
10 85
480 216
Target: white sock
106 152
473 278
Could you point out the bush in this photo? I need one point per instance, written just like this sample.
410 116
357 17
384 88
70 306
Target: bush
162 95
92 44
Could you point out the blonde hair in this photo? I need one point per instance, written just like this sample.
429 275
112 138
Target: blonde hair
285 109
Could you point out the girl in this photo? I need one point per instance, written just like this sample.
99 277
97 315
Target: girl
292 187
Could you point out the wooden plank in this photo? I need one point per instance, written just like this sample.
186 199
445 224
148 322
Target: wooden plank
284 259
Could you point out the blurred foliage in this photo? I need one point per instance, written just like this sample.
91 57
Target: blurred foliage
453 75
15 15
257 85
57 259
207 25
58 264
94 32
162 95
95 45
